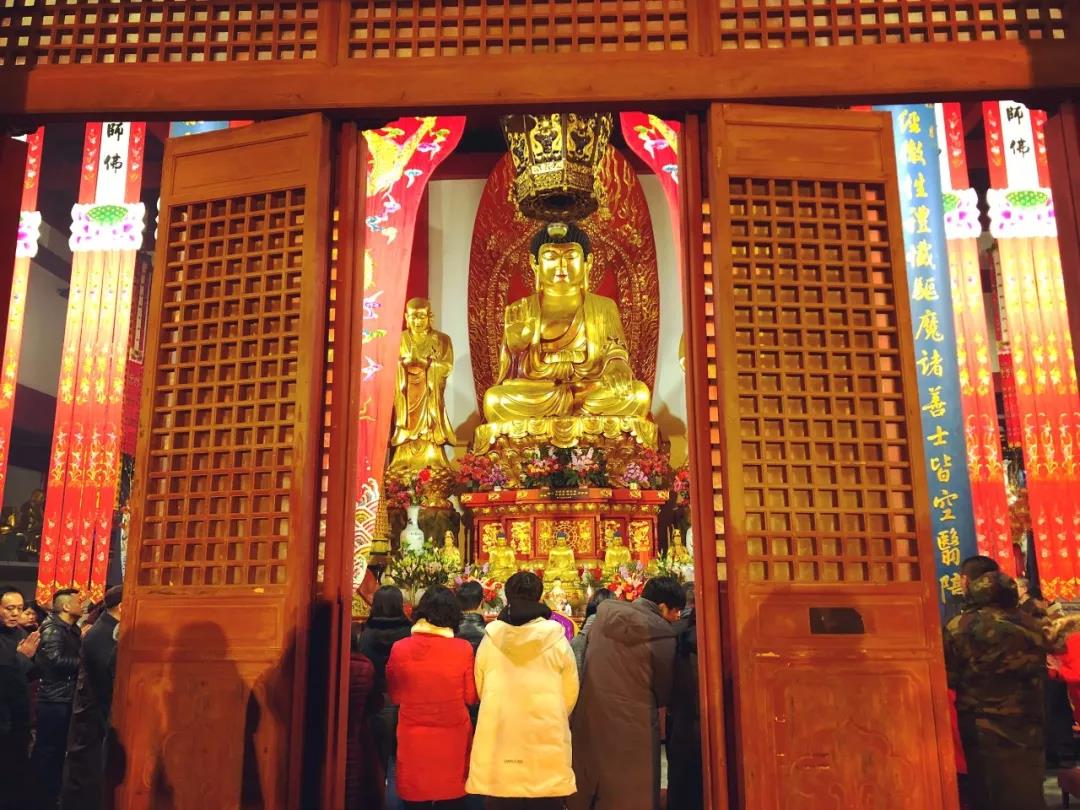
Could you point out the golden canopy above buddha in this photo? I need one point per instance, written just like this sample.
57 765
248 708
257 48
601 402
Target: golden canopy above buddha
563 352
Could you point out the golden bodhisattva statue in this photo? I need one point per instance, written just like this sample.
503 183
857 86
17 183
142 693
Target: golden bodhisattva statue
502 559
421 425
616 553
679 553
450 554
561 564
563 353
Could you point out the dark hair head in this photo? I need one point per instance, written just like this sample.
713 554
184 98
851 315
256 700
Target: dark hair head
6 589
439 606
470 594
665 591
975 567
553 234
355 631
598 596
113 597
524 586
41 613
387 603
59 600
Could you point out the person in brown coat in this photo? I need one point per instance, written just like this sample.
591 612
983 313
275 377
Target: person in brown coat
629 662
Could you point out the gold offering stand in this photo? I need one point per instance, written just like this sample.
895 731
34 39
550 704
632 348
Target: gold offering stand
530 519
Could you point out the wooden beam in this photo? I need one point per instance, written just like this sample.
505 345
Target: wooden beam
822 76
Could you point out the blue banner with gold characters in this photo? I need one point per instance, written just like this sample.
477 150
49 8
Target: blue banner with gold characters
919 176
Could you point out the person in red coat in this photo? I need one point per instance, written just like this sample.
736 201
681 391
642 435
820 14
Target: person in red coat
430 677
364 779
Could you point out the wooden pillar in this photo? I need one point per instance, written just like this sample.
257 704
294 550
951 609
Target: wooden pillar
1063 146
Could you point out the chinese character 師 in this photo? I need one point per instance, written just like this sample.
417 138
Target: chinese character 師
929 364
1014 112
941 466
114 130
936 407
929 327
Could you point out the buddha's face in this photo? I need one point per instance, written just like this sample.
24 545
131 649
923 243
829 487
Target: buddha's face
418 320
562 267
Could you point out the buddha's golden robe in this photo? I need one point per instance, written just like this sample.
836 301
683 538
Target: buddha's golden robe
419 402
568 374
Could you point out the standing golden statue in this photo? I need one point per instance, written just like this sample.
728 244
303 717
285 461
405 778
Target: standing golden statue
450 554
564 352
421 425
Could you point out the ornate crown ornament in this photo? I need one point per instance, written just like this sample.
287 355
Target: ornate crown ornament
555 159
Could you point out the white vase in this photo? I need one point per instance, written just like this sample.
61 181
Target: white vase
412 538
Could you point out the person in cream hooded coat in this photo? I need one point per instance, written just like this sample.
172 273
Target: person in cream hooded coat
526 676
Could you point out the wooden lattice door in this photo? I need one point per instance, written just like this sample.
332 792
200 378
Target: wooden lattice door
220 576
802 329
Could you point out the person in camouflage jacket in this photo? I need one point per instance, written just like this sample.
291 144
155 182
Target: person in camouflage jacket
995 656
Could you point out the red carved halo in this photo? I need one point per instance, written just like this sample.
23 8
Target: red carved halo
624 265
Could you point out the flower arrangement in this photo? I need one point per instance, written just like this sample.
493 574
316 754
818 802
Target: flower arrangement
680 484
628 583
414 570
478 473
667 566
494 598
650 469
401 494
561 467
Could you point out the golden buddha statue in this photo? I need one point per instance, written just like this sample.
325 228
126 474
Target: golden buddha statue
616 552
450 554
564 352
561 566
502 559
677 550
421 427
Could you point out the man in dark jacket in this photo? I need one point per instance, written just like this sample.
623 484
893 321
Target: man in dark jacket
17 650
58 665
995 657
470 596
684 721
629 660
84 783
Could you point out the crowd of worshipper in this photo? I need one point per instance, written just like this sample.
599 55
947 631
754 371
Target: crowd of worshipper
57 667
448 709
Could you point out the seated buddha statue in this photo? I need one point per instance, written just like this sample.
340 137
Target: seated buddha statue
561 566
563 351
616 552
502 560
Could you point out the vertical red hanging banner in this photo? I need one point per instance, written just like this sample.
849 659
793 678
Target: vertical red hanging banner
402 158
656 142
1036 321
84 467
986 470
25 250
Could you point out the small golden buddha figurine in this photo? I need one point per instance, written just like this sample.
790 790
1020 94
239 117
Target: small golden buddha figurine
677 550
561 565
450 554
425 361
616 552
557 598
502 560
563 352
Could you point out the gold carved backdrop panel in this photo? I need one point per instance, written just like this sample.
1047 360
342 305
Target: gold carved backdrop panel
624 267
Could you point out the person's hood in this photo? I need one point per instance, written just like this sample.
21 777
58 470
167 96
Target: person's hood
526 642
993 589
631 624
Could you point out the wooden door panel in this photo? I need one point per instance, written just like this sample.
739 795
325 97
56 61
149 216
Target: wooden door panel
826 530
220 576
